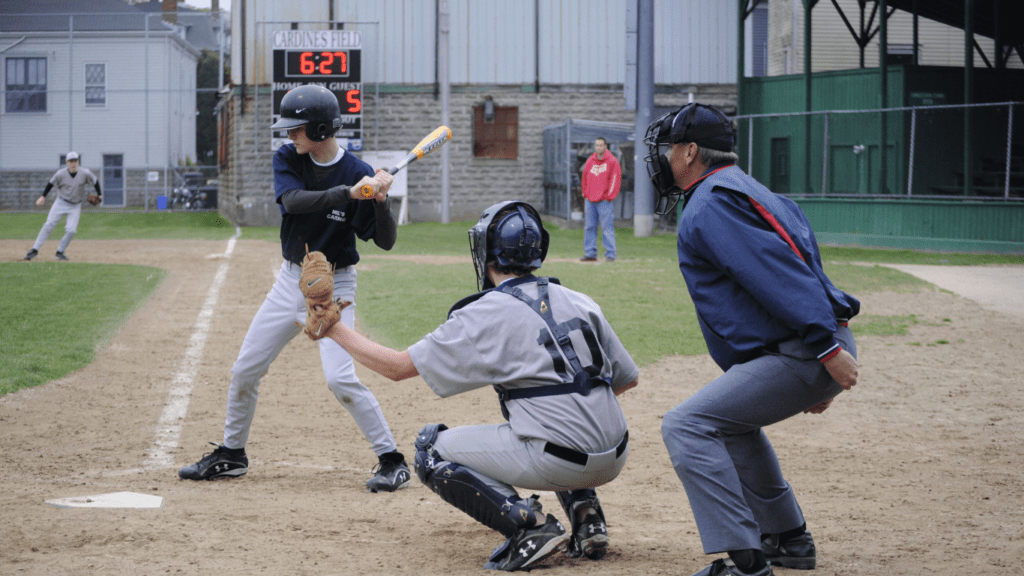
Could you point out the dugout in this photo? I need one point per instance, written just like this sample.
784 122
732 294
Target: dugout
567 145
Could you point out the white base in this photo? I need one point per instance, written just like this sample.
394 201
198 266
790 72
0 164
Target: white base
114 500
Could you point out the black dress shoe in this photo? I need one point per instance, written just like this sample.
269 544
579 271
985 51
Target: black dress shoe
797 552
725 567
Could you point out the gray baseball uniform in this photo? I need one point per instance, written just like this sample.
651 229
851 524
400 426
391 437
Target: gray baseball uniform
499 341
71 191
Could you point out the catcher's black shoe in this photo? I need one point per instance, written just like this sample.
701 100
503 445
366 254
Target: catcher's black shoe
528 546
724 567
217 465
31 254
60 256
797 552
390 474
590 538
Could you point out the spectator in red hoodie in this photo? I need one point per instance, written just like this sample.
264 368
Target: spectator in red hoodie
601 179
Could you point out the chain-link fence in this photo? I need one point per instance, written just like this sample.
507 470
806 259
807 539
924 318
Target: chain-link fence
928 152
566 148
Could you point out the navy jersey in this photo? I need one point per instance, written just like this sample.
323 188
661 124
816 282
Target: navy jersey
332 231
752 266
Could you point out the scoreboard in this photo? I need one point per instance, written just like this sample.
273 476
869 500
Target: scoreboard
328 58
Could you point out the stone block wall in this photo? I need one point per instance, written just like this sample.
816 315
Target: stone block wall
401 116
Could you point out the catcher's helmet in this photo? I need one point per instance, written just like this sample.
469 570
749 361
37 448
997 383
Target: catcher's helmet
315 106
706 126
517 237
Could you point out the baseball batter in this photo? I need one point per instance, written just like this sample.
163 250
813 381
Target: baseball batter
557 367
772 320
317 185
71 183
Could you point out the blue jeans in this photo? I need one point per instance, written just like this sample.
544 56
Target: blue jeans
604 211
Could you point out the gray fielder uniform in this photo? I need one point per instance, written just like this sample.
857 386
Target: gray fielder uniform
71 191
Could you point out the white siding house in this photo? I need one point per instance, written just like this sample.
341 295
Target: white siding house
114 84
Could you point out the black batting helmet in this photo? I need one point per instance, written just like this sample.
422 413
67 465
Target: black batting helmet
705 126
516 237
315 107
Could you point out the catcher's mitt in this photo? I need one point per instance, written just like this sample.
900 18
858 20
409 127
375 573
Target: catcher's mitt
93 199
317 284
321 316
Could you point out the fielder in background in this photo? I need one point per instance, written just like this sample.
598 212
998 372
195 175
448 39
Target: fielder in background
71 183
602 178
557 367
772 321
318 187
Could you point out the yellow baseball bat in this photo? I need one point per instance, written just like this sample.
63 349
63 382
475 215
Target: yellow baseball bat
432 142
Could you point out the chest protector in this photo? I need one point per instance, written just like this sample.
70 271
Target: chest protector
582 379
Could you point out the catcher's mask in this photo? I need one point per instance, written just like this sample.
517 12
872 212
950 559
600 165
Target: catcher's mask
518 237
315 107
706 126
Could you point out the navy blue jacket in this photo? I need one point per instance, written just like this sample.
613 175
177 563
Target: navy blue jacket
332 231
752 266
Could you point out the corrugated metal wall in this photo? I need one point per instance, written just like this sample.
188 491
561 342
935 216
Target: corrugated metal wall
496 42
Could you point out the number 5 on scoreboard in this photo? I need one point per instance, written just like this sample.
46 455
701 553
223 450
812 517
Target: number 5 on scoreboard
355 102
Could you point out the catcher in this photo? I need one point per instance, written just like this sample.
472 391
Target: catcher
557 367
71 183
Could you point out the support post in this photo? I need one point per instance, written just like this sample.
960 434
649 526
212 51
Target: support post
968 92
883 67
808 5
643 189
443 28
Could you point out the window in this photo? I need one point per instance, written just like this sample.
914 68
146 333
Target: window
26 85
95 84
759 50
780 165
497 139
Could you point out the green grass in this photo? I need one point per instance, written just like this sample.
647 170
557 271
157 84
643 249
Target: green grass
642 294
875 325
124 226
54 317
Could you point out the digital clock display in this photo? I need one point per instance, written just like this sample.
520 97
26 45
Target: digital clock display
317 64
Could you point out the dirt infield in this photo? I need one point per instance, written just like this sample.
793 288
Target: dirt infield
918 470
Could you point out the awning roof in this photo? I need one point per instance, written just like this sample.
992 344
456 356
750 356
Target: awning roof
1007 15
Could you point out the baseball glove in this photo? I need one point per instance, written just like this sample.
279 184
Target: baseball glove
93 199
317 284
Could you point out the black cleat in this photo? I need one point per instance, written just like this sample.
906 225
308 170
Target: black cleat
797 552
61 256
592 536
725 567
31 254
390 476
528 546
216 465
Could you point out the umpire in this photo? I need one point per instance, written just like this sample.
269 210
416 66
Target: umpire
772 321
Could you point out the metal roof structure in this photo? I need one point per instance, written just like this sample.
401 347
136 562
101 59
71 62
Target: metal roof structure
87 16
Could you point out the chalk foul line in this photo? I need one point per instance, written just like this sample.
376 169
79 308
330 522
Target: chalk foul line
168 429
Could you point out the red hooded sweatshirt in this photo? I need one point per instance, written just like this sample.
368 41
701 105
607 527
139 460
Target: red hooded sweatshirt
601 178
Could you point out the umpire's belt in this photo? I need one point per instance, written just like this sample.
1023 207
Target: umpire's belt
581 458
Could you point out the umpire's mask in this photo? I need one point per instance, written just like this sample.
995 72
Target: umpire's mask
509 232
706 126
